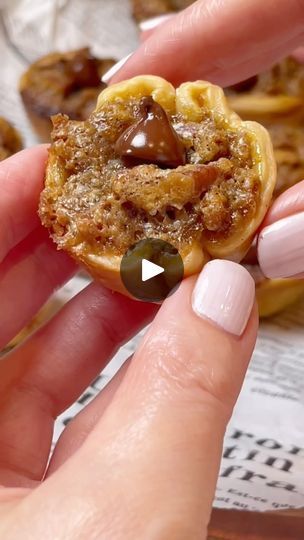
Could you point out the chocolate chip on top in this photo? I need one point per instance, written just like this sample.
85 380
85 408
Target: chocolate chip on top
151 139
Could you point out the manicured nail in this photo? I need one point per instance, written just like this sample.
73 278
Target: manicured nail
114 69
298 54
281 247
224 294
149 24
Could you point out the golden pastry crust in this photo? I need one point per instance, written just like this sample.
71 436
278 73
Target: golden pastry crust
10 139
245 182
147 9
62 82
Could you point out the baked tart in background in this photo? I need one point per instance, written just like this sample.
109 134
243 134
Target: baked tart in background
155 162
147 9
10 139
288 145
276 99
275 94
62 82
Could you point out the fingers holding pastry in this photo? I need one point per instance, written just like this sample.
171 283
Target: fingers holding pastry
21 181
169 414
48 372
152 162
29 275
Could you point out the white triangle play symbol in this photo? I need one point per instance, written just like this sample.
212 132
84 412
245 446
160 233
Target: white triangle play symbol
149 270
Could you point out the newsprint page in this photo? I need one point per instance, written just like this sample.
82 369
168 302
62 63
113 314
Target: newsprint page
263 457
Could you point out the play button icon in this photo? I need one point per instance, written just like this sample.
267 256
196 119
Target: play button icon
151 270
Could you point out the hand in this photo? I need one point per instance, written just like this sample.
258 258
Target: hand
140 461
222 41
281 241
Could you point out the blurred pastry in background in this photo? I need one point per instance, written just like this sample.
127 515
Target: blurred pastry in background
276 99
276 94
273 295
10 139
62 82
147 9
288 143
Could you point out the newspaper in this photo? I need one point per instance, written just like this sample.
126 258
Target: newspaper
263 457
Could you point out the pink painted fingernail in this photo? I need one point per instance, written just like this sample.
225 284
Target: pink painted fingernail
224 294
114 69
298 54
281 247
150 24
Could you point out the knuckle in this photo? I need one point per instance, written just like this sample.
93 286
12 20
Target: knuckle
194 372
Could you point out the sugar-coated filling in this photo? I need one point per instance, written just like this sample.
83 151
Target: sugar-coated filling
106 206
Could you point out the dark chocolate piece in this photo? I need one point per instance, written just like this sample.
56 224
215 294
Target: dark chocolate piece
151 139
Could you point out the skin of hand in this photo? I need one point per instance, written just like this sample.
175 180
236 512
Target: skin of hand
281 240
141 460
221 41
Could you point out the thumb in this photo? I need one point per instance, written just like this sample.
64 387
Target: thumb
158 445
177 397
223 41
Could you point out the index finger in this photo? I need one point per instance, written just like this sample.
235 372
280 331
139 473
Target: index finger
21 181
223 41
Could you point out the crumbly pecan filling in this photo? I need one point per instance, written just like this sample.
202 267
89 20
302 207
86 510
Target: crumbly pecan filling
106 204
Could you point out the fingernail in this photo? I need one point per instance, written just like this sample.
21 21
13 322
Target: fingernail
281 247
149 24
298 54
107 76
224 294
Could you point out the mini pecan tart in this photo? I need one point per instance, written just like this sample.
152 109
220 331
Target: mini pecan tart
288 145
270 95
67 82
155 162
275 295
147 9
10 139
